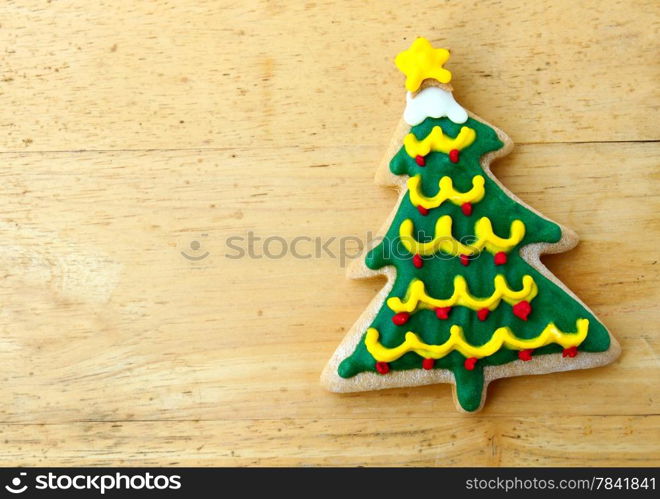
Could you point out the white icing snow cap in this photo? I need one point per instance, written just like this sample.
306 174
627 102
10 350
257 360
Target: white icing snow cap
433 102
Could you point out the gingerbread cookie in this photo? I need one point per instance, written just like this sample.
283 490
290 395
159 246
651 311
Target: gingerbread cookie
467 299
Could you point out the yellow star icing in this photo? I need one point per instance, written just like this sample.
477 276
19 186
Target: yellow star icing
422 61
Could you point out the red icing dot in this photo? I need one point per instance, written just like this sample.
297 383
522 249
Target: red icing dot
442 312
483 314
422 210
465 260
522 309
525 355
469 363
453 155
420 160
428 363
418 262
569 352
500 258
401 318
382 367
466 208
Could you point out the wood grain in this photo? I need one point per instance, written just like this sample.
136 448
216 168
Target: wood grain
133 131
449 440
209 73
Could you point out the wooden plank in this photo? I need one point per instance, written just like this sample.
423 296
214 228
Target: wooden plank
103 319
219 74
396 441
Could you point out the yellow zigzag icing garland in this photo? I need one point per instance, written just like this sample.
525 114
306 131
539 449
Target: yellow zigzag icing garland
437 141
445 242
416 297
446 192
502 336
422 61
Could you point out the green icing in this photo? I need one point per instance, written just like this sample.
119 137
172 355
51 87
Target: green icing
552 304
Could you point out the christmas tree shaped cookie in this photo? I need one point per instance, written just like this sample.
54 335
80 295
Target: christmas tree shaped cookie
467 299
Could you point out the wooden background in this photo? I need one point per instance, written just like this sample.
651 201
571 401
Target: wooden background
131 130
